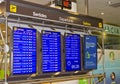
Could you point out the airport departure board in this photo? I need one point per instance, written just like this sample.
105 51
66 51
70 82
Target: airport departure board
51 51
90 52
72 52
24 51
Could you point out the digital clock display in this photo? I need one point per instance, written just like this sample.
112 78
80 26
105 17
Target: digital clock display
90 52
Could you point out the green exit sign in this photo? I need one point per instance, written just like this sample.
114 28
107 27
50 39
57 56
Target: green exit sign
109 29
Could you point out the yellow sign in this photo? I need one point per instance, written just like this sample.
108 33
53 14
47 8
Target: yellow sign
13 8
100 25
15 28
87 23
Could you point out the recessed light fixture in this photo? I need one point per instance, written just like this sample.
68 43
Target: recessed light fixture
109 2
102 13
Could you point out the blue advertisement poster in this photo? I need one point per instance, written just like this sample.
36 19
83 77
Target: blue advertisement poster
112 66
51 51
72 52
24 51
90 52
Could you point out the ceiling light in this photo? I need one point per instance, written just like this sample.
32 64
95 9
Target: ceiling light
102 13
109 2
1 1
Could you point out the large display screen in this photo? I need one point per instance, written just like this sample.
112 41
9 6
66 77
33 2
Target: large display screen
24 51
72 52
51 51
90 52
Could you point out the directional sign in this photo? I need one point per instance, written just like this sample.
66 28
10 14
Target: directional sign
90 52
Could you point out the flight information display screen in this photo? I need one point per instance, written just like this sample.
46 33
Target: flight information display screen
24 51
51 51
72 52
90 52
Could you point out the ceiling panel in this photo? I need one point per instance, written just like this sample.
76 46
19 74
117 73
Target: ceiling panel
111 14
96 7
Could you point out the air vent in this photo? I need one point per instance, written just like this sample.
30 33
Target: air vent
115 5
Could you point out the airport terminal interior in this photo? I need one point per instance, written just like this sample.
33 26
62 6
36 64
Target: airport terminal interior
59 41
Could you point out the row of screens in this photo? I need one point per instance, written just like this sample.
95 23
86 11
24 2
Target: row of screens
25 51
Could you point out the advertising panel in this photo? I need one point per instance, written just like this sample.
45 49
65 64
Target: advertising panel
90 52
112 66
